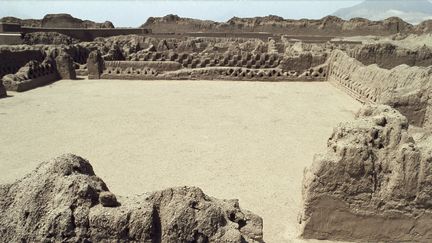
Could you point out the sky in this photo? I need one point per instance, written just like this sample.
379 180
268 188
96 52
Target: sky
127 13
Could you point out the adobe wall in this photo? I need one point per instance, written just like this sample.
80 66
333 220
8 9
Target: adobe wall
10 27
327 26
388 56
32 75
12 61
405 88
10 39
372 184
170 65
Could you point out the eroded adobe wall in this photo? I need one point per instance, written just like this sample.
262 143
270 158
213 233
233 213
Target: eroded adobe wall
389 56
194 60
64 201
21 54
32 75
78 52
12 61
3 92
170 65
373 183
405 88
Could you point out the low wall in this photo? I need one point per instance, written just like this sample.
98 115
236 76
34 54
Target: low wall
34 74
155 65
24 85
404 88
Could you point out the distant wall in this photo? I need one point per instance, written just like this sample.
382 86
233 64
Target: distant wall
31 76
254 35
7 27
250 35
88 34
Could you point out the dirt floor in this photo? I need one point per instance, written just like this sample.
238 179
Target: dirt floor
245 140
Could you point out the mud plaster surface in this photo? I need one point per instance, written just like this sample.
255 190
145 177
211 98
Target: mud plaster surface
246 140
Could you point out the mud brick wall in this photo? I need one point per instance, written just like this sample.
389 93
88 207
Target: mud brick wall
12 61
31 76
405 88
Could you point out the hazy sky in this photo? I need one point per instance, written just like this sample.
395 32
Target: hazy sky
134 13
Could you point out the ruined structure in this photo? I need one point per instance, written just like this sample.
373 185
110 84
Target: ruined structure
209 58
12 60
2 90
372 184
327 26
57 21
31 75
63 200
48 38
28 67
404 88
65 66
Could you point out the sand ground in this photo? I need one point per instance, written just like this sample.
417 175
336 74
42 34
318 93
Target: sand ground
245 140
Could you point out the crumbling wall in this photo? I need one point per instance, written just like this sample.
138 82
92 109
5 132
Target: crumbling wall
57 21
67 21
389 56
162 69
2 90
11 61
65 66
194 60
32 75
156 65
64 201
404 88
203 58
301 61
95 65
327 26
373 183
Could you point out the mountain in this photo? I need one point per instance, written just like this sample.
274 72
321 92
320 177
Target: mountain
412 11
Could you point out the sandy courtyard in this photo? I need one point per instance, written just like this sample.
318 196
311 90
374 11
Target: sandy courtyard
245 140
